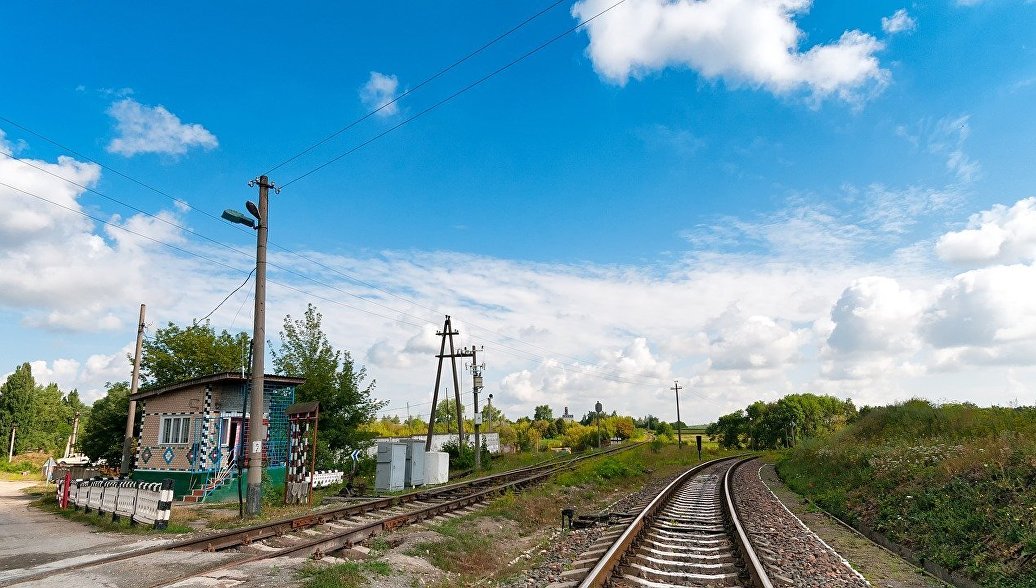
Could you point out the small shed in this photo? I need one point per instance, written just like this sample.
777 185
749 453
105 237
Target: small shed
193 431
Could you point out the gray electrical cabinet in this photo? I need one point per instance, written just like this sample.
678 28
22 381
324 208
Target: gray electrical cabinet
414 463
392 462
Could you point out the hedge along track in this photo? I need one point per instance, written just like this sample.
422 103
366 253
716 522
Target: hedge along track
317 533
688 535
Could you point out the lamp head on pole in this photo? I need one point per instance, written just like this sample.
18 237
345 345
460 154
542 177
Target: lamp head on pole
238 217
599 407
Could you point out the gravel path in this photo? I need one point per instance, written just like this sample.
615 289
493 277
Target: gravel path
793 555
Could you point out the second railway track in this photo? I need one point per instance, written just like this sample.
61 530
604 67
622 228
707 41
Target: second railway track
318 532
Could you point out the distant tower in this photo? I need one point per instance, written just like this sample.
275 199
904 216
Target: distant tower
567 416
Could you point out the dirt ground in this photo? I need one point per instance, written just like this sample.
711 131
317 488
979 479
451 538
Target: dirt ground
34 541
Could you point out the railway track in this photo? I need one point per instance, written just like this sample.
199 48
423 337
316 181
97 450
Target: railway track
319 532
690 534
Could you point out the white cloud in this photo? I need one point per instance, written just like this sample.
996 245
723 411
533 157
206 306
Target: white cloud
749 42
999 235
804 309
989 310
945 138
754 343
379 93
899 22
153 129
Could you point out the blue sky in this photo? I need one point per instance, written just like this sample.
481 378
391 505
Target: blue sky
754 196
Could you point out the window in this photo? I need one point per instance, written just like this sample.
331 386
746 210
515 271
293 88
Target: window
175 430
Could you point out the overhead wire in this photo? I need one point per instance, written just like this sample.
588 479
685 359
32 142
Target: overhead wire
421 84
515 352
454 95
524 354
315 262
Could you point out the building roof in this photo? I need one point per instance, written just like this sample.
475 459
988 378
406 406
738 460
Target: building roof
269 381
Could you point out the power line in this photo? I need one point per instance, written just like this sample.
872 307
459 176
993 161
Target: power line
249 277
424 82
586 370
449 98
290 271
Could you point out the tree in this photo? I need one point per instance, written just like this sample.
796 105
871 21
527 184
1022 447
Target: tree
623 427
41 413
729 430
102 438
543 413
333 381
446 416
508 436
16 404
175 354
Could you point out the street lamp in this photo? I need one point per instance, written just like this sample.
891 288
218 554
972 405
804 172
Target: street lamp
598 407
256 428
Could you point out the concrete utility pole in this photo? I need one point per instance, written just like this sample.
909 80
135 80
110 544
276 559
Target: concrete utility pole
10 452
679 423
256 428
476 385
124 466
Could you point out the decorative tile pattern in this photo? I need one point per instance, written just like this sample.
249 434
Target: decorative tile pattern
145 456
168 455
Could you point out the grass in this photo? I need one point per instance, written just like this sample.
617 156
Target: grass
349 574
465 548
475 551
954 483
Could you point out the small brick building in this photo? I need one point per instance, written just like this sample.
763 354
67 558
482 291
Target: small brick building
192 431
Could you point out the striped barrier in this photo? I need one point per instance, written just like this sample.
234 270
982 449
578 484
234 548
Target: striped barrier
150 503
323 478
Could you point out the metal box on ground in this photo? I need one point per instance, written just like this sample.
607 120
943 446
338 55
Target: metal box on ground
436 467
414 464
391 471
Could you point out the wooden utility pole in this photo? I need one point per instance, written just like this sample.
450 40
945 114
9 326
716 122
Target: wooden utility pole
256 428
447 333
124 466
10 452
679 423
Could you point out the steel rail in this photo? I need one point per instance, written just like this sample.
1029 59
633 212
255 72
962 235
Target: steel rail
235 537
755 567
602 572
318 546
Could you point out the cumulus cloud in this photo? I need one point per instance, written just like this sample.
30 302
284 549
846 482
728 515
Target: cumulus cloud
899 22
755 343
1000 235
153 129
62 271
744 42
379 93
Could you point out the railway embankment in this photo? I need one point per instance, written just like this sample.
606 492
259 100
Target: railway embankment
951 486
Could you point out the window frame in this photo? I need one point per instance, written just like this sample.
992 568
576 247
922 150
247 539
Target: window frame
182 428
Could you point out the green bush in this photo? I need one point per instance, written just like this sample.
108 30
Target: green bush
18 466
956 483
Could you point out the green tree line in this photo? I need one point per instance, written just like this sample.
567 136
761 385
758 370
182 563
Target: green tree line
769 425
